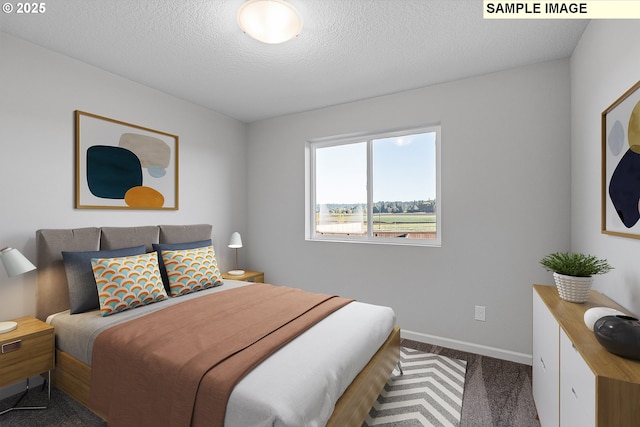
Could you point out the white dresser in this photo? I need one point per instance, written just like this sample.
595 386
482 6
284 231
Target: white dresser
576 381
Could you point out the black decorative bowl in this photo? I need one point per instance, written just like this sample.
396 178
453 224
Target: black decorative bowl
619 335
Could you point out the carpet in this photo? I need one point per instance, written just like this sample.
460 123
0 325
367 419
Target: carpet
429 393
62 411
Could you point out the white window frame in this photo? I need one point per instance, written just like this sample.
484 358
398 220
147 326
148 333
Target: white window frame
310 186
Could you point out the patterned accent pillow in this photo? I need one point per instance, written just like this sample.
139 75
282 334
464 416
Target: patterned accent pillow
159 247
191 270
83 294
127 282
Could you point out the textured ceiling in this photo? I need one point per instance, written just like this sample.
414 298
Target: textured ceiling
348 49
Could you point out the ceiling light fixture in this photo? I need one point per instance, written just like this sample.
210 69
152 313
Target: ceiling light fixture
269 21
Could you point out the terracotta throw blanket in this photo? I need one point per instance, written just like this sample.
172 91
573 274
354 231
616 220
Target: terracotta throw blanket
178 366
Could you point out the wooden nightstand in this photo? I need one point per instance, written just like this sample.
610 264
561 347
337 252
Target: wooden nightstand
248 276
26 351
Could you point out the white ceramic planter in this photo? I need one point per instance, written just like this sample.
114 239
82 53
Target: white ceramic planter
572 288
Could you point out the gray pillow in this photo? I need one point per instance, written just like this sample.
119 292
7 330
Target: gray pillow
159 247
83 292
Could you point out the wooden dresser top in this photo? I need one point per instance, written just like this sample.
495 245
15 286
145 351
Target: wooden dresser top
570 316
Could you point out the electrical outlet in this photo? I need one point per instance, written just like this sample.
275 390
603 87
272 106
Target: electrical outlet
480 312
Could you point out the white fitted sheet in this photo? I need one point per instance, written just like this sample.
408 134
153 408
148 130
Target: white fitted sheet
296 386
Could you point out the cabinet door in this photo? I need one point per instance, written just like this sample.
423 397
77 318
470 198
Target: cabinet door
577 388
546 363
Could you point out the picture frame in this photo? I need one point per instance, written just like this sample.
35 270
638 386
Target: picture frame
621 166
120 165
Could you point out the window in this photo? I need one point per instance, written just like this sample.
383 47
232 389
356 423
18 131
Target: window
381 188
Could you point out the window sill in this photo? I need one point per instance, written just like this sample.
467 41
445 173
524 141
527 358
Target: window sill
433 243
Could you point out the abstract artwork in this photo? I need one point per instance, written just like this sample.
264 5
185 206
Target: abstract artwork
621 166
124 166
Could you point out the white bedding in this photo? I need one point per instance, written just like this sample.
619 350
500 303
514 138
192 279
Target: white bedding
296 386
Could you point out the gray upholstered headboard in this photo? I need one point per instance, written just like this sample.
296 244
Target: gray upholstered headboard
52 294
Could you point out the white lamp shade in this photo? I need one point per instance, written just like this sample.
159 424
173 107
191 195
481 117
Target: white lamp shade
236 241
269 21
14 262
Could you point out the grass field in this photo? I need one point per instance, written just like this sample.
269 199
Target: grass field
405 222
408 222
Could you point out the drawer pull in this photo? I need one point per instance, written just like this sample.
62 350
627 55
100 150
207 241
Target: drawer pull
542 363
11 346
574 392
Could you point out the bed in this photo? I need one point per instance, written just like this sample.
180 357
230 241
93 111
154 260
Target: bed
358 351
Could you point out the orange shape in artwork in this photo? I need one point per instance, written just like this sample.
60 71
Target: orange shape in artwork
143 197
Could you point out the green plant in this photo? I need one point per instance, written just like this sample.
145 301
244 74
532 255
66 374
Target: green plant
575 264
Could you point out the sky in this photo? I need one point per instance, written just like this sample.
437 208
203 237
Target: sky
404 170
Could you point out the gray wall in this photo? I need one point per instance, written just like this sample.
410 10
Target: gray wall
505 204
605 65
39 92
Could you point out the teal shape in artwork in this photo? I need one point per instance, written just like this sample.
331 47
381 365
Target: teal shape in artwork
112 171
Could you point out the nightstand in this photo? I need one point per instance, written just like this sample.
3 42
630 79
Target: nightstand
248 276
24 352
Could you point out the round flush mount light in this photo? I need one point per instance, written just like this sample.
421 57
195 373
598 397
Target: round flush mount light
269 21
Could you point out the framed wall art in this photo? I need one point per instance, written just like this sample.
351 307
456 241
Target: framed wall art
621 166
124 166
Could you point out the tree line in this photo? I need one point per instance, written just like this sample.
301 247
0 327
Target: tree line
395 207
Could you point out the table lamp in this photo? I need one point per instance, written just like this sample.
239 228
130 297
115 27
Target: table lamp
236 242
14 264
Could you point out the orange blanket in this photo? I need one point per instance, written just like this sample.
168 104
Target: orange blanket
178 366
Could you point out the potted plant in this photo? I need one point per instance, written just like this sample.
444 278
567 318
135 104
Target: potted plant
573 273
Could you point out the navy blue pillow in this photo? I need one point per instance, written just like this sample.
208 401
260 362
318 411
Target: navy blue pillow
83 291
159 247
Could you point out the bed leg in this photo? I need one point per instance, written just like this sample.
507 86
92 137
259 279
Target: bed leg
15 406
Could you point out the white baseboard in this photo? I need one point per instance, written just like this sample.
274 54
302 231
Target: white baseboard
19 387
483 350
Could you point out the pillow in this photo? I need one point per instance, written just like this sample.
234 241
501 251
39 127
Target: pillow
158 247
83 294
127 282
191 270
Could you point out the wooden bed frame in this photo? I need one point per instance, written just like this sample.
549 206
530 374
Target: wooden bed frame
74 376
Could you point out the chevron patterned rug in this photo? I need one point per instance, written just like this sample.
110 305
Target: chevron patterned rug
428 394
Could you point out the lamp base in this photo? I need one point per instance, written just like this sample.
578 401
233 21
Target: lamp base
7 327
236 272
